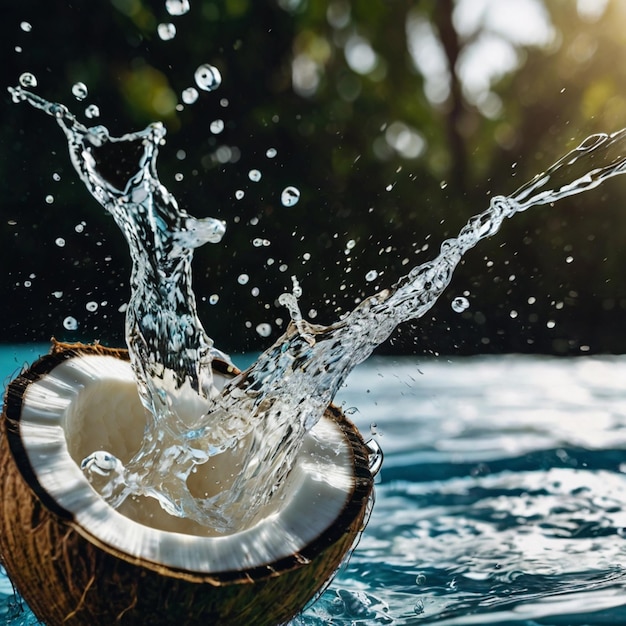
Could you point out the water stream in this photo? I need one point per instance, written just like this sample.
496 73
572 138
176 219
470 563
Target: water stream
266 409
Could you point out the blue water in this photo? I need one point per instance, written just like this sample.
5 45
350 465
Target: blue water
502 498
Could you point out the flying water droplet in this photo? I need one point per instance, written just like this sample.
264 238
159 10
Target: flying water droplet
290 196
213 298
26 26
217 126
371 275
375 455
239 194
166 31
242 279
91 306
28 80
59 242
208 77
190 95
264 329
460 304
49 199
254 176
92 111
70 323
177 7
271 153
79 91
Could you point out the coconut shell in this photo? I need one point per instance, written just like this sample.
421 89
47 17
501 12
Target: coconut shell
67 576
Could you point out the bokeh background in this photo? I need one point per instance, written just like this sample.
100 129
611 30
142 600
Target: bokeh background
395 120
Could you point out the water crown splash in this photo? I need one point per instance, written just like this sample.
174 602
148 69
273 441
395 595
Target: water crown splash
264 412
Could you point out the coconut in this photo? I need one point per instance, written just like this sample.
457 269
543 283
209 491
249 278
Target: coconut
77 560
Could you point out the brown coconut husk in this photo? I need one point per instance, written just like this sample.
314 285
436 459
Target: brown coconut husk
68 577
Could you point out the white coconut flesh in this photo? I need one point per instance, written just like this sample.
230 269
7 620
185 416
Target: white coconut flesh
90 402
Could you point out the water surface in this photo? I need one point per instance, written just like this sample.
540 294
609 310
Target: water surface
501 498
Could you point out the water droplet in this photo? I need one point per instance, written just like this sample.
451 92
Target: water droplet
18 48
255 291
371 275
28 80
264 329
569 259
79 90
443 184
242 279
178 176
49 199
177 7
419 607
271 153
59 242
26 26
217 126
166 31
190 95
56 177
254 176
57 294
420 579
92 111
257 242
290 196
70 323
79 228
91 306
213 298
376 457
239 194
208 77
459 304
100 462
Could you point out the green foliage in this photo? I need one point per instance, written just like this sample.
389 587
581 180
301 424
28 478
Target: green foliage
387 151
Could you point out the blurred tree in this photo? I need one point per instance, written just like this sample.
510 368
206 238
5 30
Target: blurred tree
395 120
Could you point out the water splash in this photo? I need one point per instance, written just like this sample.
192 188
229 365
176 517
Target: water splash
170 352
266 410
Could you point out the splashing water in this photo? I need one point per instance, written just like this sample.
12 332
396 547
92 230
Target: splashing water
267 409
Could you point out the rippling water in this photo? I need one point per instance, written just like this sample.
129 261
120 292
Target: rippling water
502 498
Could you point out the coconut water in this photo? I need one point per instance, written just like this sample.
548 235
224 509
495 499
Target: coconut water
264 412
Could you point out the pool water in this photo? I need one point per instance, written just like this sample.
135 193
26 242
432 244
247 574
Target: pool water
502 498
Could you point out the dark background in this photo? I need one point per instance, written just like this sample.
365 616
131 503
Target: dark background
345 131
